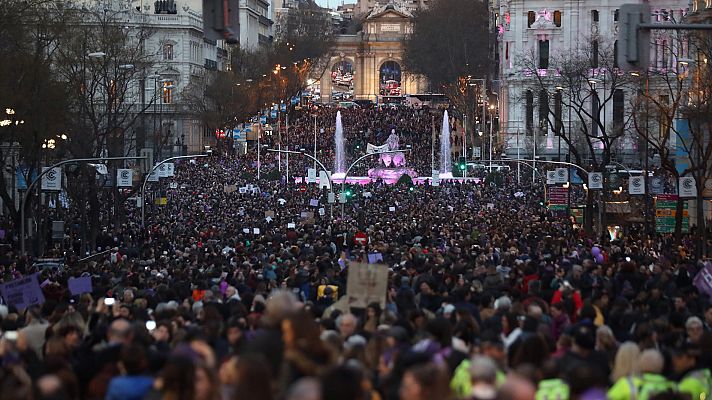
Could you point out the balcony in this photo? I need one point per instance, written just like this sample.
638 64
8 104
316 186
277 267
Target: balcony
211 65
265 21
177 21
263 40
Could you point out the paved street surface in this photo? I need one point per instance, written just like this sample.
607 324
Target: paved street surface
239 288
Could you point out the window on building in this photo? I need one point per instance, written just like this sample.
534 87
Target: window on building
543 54
615 15
618 111
168 92
167 51
530 112
594 15
557 18
594 54
595 114
558 107
506 50
664 60
544 111
615 54
531 18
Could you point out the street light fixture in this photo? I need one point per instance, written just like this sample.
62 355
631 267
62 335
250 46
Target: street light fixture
97 54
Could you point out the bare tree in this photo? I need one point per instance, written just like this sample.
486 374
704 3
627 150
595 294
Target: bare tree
582 84
34 102
672 115
449 46
101 57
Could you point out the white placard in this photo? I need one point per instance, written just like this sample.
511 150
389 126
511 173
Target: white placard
291 225
436 177
595 180
52 179
687 187
311 175
366 195
153 176
162 170
636 185
170 169
323 180
391 209
322 211
366 283
550 177
256 231
245 230
124 177
562 175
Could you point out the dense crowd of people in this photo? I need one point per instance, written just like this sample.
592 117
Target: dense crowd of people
362 126
236 288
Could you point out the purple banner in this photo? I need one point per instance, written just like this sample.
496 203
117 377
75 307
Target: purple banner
80 285
703 280
23 292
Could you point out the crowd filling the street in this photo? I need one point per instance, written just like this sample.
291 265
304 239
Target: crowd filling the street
243 288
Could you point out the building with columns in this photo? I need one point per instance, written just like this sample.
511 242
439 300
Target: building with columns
368 65
532 34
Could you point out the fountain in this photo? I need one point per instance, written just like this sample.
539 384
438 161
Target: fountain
391 166
340 161
445 156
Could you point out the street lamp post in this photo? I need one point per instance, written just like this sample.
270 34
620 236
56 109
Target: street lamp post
315 116
316 161
39 177
145 181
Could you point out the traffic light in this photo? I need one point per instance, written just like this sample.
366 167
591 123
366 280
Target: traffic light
348 193
633 52
462 164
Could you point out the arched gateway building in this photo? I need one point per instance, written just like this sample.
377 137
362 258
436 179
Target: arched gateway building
368 65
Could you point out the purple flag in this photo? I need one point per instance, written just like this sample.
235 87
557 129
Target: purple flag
373 258
703 280
23 292
80 285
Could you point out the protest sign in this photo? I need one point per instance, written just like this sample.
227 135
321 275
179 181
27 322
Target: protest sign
367 283
703 280
374 258
23 292
79 285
